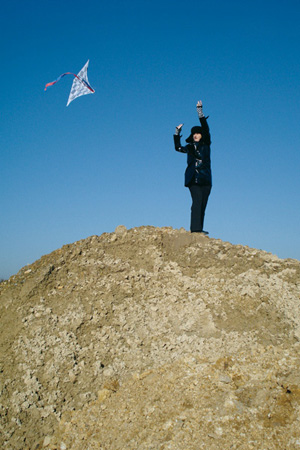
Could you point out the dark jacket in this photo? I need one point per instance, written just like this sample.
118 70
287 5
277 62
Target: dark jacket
198 169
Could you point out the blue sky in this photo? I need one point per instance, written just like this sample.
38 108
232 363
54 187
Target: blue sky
108 159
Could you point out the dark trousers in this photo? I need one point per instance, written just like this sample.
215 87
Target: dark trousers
200 196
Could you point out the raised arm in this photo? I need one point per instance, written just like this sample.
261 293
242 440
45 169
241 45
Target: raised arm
206 134
177 137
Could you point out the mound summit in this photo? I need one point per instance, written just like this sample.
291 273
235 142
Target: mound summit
151 339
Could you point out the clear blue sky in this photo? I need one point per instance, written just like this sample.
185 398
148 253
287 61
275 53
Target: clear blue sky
108 159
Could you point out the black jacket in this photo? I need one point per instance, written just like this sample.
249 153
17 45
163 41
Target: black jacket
198 169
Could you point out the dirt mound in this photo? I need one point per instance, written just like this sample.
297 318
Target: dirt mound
151 338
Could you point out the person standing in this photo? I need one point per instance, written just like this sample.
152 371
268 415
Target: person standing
198 172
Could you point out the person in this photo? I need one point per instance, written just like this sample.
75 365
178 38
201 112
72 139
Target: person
198 172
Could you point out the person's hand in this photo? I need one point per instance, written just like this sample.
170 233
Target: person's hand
199 109
178 129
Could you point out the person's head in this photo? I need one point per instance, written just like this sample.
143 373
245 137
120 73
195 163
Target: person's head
196 135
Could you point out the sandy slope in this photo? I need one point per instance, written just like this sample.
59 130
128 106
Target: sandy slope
151 338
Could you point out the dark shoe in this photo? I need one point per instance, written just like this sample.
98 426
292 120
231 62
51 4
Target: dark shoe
203 232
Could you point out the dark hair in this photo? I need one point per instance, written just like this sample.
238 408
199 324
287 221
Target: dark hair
196 129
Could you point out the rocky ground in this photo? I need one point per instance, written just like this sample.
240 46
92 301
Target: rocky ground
151 339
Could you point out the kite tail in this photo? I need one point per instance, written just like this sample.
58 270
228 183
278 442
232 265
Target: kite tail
69 73
59 78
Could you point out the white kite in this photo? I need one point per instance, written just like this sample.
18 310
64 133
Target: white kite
80 84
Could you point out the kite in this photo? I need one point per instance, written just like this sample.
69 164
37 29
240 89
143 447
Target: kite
80 84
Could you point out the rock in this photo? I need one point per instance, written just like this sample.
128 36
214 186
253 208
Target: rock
225 379
121 229
72 376
47 441
103 394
